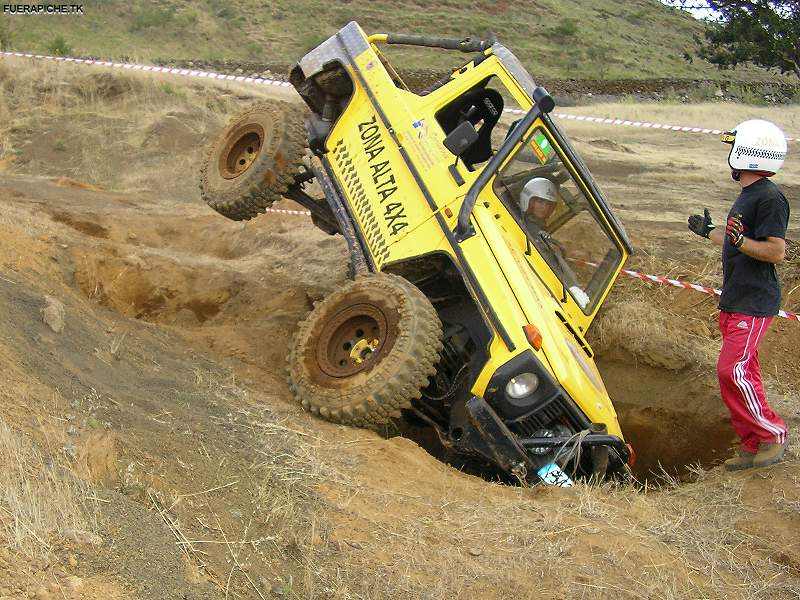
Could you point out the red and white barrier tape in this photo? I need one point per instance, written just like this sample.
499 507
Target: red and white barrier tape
673 282
277 82
288 212
693 286
639 124
151 69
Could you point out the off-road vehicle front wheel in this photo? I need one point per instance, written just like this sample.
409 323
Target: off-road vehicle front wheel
254 161
366 351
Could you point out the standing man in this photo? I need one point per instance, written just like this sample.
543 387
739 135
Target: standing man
753 242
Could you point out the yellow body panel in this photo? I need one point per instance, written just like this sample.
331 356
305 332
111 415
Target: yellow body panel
398 223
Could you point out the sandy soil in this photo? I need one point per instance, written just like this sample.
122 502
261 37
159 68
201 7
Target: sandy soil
153 387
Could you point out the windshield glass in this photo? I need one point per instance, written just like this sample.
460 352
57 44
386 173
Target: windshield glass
560 222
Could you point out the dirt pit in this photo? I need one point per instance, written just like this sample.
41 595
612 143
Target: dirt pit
673 419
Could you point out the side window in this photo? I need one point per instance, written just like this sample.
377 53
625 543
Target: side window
482 106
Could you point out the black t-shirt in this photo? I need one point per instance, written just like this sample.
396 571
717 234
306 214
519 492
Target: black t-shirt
751 286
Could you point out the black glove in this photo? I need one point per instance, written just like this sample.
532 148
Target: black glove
735 231
702 226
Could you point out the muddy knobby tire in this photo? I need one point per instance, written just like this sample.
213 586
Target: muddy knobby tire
253 162
396 374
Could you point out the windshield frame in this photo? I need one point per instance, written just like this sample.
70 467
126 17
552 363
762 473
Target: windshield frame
596 204
585 176
464 229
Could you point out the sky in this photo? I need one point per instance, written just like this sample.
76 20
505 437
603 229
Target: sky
699 13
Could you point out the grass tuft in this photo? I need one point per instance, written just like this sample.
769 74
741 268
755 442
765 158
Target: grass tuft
40 501
566 28
60 47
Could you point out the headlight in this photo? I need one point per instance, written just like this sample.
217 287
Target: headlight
522 385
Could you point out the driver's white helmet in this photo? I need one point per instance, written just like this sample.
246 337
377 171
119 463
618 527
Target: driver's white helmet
538 187
756 145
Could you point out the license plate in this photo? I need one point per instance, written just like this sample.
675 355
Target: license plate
553 475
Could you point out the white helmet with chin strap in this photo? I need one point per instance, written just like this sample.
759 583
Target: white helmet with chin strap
538 187
757 146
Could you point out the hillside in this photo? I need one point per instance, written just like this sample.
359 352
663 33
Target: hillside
592 39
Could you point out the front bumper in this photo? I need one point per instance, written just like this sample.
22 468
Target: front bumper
590 440
475 428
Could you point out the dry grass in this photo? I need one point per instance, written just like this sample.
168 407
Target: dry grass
591 542
40 502
340 513
90 121
651 336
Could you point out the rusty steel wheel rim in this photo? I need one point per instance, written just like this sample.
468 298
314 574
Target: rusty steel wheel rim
241 150
354 341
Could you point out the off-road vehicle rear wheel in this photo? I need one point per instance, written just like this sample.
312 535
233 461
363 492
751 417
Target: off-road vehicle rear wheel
254 160
365 351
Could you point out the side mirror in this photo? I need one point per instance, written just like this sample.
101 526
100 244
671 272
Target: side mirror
461 138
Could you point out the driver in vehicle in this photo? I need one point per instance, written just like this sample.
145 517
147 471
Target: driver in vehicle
537 202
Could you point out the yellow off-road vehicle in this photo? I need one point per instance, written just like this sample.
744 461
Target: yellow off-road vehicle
470 300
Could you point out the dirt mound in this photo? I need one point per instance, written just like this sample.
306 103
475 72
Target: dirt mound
147 135
631 331
106 86
173 133
610 145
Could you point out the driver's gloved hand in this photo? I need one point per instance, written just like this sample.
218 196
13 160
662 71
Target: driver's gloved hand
579 295
702 226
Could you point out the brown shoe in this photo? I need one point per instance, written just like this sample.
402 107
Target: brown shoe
768 454
742 460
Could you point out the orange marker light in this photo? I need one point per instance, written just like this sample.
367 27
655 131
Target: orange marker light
534 336
632 459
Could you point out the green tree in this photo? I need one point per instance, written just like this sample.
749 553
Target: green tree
758 31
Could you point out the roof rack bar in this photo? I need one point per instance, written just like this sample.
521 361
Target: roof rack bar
463 45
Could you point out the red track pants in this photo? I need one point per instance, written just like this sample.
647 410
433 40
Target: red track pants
740 381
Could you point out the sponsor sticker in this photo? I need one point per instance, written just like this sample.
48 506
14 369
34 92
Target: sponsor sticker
541 147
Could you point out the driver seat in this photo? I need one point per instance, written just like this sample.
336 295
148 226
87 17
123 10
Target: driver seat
479 105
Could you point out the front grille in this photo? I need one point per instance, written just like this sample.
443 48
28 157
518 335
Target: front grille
543 418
